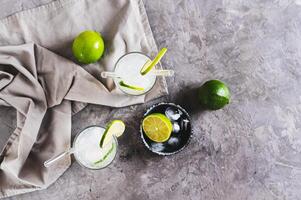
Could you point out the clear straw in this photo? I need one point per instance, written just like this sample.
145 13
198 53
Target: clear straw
156 72
162 72
109 75
50 162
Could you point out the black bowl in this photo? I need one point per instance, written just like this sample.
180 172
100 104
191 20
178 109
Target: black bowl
178 139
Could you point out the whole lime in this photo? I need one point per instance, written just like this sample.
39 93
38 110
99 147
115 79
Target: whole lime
214 95
88 47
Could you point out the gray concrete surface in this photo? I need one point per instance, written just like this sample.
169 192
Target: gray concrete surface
249 150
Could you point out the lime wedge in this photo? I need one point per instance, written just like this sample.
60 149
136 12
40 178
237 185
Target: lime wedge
148 66
133 87
116 128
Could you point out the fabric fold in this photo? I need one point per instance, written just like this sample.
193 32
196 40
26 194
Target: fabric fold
39 78
42 92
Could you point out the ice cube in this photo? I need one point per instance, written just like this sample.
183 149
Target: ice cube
173 114
184 124
176 127
157 147
173 141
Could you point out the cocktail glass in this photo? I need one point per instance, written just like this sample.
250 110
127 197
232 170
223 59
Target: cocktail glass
127 74
87 151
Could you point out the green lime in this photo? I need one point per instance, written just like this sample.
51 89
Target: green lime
88 47
133 87
214 95
157 127
116 128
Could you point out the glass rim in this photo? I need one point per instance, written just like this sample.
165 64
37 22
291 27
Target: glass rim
79 162
133 52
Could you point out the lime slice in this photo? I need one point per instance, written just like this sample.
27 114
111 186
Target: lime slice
157 127
133 87
116 128
106 155
148 66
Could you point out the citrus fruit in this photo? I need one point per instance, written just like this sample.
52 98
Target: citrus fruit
214 95
88 47
116 128
133 87
157 127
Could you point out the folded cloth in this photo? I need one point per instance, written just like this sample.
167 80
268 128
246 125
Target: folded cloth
123 24
46 88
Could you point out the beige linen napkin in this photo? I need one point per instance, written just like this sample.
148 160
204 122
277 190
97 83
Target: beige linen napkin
46 88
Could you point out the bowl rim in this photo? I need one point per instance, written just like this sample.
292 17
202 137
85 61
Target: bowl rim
169 153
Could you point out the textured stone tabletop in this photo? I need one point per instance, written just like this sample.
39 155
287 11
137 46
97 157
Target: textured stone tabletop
249 150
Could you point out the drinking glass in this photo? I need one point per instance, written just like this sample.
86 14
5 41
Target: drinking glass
87 151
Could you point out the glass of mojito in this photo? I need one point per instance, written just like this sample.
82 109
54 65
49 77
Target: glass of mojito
135 73
95 147
88 152
129 79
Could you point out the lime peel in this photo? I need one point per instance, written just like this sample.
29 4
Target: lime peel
107 154
133 87
149 65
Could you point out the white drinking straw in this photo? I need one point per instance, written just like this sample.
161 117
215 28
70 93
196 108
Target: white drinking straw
49 162
109 75
156 72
